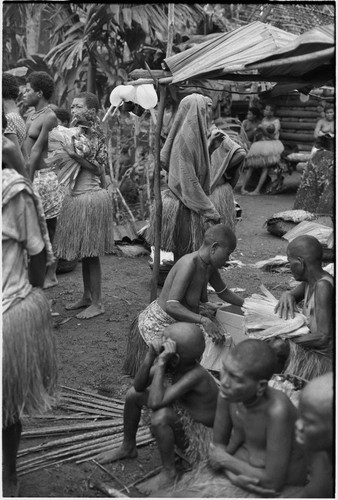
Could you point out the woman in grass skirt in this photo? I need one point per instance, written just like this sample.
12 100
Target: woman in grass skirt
85 223
266 150
187 209
28 350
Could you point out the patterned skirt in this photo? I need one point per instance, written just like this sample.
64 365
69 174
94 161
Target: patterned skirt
47 186
85 226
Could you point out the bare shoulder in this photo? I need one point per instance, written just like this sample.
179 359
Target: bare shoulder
280 406
187 262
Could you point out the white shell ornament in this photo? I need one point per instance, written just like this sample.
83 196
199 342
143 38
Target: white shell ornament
146 96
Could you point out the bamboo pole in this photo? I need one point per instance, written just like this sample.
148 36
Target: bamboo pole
171 28
74 407
97 396
157 194
90 399
70 428
90 404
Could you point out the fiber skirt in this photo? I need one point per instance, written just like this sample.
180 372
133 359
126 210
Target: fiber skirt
264 154
182 229
306 363
85 226
223 199
29 368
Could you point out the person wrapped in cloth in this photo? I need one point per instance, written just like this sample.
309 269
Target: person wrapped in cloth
85 224
28 350
182 397
184 290
187 208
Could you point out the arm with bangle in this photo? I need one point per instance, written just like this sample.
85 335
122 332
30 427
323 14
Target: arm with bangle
222 290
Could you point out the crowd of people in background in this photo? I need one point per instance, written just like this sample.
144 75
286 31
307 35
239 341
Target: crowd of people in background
260 443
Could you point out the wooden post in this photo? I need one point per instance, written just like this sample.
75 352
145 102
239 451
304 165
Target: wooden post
157 194
171 28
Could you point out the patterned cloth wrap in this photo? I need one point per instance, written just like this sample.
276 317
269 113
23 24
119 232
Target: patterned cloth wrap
47 187
153 320
16 125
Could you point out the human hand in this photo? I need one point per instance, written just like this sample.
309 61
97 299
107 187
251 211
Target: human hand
215 140
167 350
286 306
212 330
250 484
155 346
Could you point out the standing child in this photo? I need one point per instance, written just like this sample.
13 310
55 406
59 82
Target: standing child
191 397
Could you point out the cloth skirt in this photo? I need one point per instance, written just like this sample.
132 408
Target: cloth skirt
47 186
151 324
85 226
182 229
264 154
29 369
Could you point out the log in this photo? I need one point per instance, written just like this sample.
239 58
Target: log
295 101
284 136
301 113
298 125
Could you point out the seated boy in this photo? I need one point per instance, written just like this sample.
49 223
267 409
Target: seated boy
314 432
310 354
184 289
193 391
254 443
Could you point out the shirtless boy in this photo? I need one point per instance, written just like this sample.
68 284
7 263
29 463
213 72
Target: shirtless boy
324 131
305 256
39 90
192 387
186 287
254 441
314 432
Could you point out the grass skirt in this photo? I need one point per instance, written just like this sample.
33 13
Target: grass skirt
85 226
198 436
182 229
223 199
306 363
264 154
203 482
29 366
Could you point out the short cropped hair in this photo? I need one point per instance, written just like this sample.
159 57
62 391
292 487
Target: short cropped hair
10 87
307 247
257 357
271 106
63 115
328 107
221 234
90 99
255 111
40 80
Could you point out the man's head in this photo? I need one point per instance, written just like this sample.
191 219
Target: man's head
246 371
253 113
314 427
10 87
303 252
269 111
221 241
39 85
189 340
329 112
90 100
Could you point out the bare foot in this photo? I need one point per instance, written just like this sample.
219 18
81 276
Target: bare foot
244 191
91 312
112 456
79 304
50 282
163 480
254 193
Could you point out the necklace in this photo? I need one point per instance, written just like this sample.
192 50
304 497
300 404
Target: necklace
36 114
204 262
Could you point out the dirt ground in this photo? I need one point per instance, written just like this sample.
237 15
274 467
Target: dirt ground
91 352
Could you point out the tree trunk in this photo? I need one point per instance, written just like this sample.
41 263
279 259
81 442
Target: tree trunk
33 27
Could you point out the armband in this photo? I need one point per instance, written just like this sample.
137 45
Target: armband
223 290
172 300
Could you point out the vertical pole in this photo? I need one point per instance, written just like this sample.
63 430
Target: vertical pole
157 194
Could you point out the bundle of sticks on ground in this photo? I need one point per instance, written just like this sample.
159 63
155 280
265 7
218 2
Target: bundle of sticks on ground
81 426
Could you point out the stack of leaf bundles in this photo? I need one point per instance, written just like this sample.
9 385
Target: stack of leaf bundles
66 168
261 322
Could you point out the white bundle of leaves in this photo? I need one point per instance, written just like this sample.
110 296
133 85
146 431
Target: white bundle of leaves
66 168
262 322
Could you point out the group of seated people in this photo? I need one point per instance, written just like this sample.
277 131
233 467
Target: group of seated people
255 441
